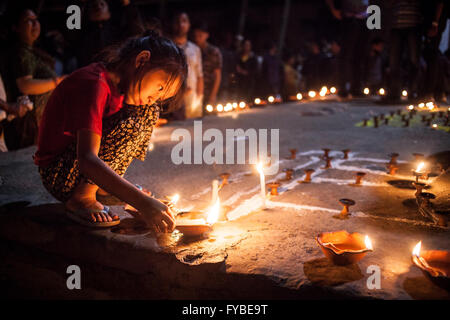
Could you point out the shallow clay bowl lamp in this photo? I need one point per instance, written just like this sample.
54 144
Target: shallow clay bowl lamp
435 265
343 248
194 228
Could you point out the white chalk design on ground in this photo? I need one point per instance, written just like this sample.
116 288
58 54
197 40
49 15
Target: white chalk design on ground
254 203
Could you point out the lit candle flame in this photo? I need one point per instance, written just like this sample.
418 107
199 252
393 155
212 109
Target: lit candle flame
213 213
410 107
381 91
421 105
311 94
366 90
174 199
209 108
242 104
416 250
259 167
299 96
368 243
420 166
404 93
333 90
219 107
271 99
257 100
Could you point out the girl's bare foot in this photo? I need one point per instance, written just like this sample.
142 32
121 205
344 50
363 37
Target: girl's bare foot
83 201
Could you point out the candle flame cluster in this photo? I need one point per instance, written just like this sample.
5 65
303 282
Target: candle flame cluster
230 106
368 243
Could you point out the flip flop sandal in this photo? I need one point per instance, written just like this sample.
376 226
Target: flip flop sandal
76 217
114 201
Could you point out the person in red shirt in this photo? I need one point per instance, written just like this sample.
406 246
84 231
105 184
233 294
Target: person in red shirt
99 119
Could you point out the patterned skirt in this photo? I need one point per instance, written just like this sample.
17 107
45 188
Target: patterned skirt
125 136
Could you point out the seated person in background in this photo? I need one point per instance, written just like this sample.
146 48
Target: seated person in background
31 73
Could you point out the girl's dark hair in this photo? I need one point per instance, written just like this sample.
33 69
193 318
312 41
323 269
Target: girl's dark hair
165 55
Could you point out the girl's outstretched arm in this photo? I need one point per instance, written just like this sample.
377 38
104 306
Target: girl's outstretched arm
93 168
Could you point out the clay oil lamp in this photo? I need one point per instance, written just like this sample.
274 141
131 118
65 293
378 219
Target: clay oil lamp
293 153
419 172
343 248
327 163
419 187
394 157
346 152
392 168
224 176
288 173
418 156
273 186
308 173
375 122
198 227
358 178
426 198
365 121
435 265
325 152
346 204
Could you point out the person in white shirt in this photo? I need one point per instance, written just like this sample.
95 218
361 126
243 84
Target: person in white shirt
193 98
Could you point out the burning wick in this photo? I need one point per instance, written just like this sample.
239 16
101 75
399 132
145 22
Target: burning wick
299 96
271 99
311 94
368 243
420 167
404 93
209 108
262 181
381 92
366 91
333 90
213 214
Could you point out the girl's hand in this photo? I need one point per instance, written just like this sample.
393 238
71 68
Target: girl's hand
157 214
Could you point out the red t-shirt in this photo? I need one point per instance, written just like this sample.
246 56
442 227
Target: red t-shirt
81 101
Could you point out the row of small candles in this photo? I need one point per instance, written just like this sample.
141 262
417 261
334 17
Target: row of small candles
233 106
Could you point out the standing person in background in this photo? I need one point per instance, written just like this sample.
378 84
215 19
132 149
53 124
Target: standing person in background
436 14
211 63
97 33
31 73
127 17
352 16
246 72
374 67
194 94
272 71
228 77
405 36
291 78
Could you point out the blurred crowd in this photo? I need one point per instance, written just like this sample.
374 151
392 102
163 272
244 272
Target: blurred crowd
225 69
